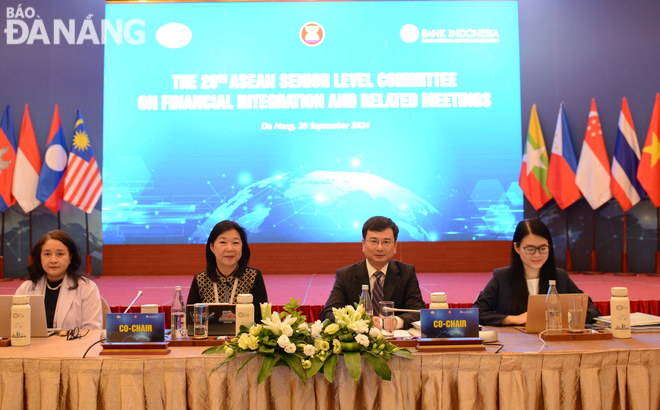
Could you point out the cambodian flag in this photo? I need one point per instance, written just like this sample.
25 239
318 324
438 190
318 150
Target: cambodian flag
624 184
83 185
7 160
51 180
563 165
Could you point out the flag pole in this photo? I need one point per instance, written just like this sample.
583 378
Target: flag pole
2 251
594 259
30 236
569 257
59 228
624 264
88 258
657 253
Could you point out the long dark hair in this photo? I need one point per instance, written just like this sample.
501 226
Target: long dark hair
519 292
211 263
36 271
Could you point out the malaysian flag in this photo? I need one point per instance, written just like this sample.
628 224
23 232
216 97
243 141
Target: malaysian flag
82 181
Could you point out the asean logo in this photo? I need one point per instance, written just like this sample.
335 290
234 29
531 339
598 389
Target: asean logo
312 34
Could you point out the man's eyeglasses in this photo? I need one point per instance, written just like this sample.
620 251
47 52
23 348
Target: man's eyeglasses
531 250
74 333
386 243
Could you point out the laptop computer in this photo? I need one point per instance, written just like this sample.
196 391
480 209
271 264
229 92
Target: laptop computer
222 319
38 326
536 312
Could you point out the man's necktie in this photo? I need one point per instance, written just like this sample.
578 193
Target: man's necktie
377 295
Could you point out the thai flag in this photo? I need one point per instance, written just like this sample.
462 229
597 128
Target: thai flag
82 181
28 164
7 160
563 165
624 184
51 181
593 172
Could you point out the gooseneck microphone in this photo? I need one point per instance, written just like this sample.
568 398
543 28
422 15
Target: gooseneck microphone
136 298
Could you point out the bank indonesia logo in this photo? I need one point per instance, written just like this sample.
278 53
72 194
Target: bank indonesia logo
409 33
312 34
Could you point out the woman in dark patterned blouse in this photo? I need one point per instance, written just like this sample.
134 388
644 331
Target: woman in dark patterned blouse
227 272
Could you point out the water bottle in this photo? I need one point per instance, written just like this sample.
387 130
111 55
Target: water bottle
366 301
178 315
21 321
553 311
620 313
244 310
439 301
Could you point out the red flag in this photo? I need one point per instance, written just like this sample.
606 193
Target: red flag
648 172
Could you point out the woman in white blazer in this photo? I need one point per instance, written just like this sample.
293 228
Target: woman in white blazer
71 300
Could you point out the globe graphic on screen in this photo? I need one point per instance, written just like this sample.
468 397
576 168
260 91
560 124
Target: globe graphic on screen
322 206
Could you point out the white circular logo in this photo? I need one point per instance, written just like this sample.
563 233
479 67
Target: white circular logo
409 33
174 35
56 158
312 34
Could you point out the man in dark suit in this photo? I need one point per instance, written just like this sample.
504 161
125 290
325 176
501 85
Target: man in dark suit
398 281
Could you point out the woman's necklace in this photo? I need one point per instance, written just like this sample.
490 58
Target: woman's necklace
54 288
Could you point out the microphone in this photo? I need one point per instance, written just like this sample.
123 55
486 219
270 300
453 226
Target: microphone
389 309
136 298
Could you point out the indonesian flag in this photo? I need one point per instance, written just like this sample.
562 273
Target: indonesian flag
593 172
648 172
625 186
534 171
563 165
28 165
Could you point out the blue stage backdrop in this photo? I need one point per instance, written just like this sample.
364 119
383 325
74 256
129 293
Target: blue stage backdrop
301 120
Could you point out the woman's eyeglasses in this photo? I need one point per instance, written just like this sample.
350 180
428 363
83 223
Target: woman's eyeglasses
74 333
531 250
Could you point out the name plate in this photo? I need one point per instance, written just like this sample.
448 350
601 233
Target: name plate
135 327
444 323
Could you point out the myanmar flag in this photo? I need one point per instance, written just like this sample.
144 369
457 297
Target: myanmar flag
534 170
648 172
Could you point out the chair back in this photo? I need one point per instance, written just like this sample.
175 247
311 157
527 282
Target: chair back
105 308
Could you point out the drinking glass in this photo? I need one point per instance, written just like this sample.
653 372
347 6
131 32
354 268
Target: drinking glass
575 314
200 321
387 319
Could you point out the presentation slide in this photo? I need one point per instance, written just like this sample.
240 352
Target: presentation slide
300 120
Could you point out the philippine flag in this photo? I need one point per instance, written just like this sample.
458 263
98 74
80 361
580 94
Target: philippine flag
563 165
624 184
7 160
593 172
51 181
83 185
28 164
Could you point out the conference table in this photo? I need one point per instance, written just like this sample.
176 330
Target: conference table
597 374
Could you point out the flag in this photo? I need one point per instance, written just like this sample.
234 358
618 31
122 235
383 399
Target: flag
534 170
593 171
648 172
28 164
7 160
51 180
624 184
563 165
82 180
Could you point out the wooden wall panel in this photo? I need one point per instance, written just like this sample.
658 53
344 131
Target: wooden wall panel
317 258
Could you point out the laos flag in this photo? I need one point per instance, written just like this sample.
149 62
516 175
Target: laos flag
7 160
51 180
